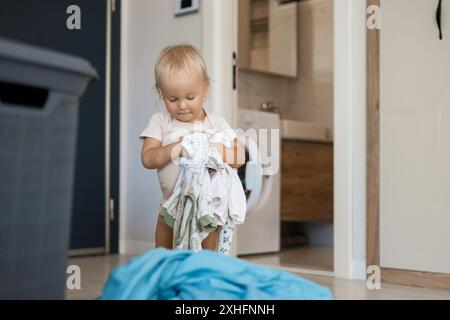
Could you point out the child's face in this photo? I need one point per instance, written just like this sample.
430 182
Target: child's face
184 96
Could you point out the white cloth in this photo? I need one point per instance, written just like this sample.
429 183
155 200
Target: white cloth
163 127
208 194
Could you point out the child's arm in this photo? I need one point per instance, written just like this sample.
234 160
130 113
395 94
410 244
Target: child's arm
155 156
234 156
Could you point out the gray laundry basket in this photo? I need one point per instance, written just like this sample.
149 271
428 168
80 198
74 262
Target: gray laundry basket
39 96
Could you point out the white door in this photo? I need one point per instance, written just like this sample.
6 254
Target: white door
415 137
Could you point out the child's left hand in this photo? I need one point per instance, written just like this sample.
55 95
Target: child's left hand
218 146
234 155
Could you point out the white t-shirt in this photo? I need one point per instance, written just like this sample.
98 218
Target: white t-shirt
168 130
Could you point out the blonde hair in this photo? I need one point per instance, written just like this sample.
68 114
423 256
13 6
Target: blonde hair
176 58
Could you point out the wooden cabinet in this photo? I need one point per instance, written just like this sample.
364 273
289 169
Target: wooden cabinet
268 36
306 181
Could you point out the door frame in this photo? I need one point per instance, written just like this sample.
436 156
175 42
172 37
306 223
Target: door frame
349 139
112 126
388 275
219 41
108 205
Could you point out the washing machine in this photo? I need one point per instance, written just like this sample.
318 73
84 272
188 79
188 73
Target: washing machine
260 177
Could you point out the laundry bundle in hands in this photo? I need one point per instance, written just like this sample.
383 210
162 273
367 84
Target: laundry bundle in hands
208 194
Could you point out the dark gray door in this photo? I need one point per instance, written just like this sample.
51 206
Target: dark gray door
43 23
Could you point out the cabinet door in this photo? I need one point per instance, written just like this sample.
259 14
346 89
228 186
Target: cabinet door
306 181
267 34
283 38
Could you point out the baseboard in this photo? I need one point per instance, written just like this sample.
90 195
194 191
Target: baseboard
308 271
122 246
135 247
359 270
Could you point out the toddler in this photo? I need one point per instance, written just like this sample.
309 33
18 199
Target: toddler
182 82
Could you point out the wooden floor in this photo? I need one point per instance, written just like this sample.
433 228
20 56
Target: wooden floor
95 270
303 257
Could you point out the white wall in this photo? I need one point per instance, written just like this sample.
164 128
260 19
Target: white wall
147 26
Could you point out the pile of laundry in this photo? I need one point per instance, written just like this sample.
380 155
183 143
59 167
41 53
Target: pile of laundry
207 195
163 274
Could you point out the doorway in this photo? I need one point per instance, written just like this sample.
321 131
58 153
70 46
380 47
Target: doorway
220 40
300 90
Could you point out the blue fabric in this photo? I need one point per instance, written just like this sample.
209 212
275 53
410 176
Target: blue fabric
206 275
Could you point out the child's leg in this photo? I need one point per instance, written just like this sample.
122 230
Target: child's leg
163 235
210 241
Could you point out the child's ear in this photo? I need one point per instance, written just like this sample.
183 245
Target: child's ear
205 88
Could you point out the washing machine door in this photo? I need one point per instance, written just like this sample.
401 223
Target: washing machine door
251 173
